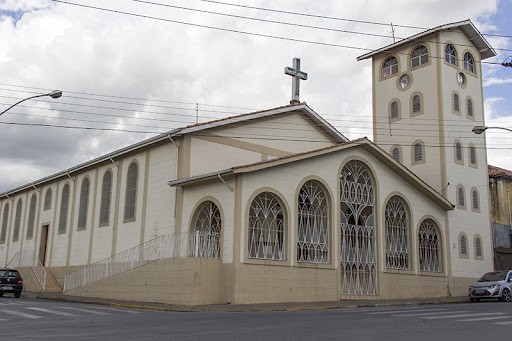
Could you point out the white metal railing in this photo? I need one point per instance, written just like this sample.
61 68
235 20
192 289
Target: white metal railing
164 247
25 259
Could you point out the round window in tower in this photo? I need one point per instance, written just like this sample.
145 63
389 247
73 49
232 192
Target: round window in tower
405 81
461 78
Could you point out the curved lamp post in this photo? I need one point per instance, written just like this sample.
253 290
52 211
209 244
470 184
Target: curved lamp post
53 94
481 129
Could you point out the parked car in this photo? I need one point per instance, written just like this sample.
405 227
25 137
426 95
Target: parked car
497 284
10 282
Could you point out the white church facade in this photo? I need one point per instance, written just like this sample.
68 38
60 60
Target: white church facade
217 213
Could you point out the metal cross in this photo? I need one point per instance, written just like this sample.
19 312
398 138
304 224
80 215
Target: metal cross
297 76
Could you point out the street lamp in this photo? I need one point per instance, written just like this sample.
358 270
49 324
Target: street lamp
481 129
53 94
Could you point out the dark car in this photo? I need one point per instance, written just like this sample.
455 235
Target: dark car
10 282
497 284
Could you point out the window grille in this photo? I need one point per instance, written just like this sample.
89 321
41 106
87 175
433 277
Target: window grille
472 155
106 194
456 106
48 200
63 214
458 151
313 224
429 247
5 220
84 203
358 242
396 154
418 152
131 192
463 245
476 202
450 55
416 104
17 221
461 197
468 62
266 228
390 67
419 56
31 216
470 107
478 247
394 110
397 235
207 231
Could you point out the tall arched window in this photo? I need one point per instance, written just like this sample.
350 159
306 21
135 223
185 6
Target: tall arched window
84 204
64 204
394 110
468 62
207 231
429 246
456 103
460 197
396 154
470 107
358 241
419 56
266 228
390 67
416 104
458 151
397 234
475 200
17 221
313 224
472 155
130 203
48 200
106 194
450 55
463 245
31 216
5 220
478 247
418 152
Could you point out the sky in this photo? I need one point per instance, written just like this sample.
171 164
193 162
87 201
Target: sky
132 69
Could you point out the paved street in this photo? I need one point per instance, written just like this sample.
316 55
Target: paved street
29 318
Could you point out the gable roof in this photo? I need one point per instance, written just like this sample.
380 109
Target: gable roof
364 143
497 172
467 27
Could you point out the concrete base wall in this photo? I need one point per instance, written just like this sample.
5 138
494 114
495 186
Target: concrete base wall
398 286
459 285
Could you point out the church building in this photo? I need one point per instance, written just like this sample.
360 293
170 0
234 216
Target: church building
278 205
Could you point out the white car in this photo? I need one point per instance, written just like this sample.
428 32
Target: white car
497 284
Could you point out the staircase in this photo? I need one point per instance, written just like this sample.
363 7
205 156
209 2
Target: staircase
27 259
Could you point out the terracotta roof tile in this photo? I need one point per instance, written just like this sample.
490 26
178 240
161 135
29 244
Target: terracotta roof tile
497 171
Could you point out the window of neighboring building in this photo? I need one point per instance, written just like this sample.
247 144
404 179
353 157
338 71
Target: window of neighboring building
475 200
468 62
429 246
419 56
390 67
470 107
31 216
397 234
207 231
450 55
131 192
266 228
395 153
5 220
461 202
313 224
456 103
48 200
463 244
106 193
84 204
17 221
64 204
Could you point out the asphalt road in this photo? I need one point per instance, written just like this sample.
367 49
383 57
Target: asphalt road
36 319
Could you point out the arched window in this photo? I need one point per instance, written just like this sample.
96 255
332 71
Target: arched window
470 107
130 203
429 246
419 56
396 154
418 152
394 110
456 103
472 155
84 204
64 204
397 235
390 67
17 221
48 200
416 104
478 247
458 151
463 245
207 231
106 194
313 224
468 62
475 200
5 220
450 55
358 236
460 197
31 216
266 228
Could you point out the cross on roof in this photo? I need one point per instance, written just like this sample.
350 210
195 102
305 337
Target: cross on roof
297 76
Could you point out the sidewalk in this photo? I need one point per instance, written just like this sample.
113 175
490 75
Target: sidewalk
285 306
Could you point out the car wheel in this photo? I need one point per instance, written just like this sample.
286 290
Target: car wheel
17 294
505 296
